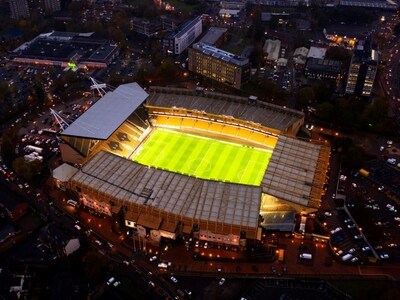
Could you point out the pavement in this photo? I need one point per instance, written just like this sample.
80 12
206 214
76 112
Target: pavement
184 264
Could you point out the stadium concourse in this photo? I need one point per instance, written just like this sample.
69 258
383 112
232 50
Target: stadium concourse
167 191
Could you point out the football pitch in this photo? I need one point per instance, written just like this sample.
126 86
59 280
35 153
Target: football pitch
203 157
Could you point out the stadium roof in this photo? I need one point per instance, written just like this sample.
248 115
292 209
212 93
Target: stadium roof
108 113
184 196
296 172
266 114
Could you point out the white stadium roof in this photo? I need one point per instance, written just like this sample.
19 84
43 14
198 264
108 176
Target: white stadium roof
118 178
108 113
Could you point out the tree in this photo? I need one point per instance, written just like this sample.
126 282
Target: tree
9 142
304 96
325 111
353 158
27 169
256 56
5 91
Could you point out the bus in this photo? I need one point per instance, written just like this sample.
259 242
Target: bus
30 148
72 203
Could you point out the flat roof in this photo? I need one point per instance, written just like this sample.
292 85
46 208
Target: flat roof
273 48
221 54
64 46
108 113
266 114
317 52
172 193
186 27
212 35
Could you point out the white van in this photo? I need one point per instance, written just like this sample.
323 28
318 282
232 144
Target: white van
347 257
306 255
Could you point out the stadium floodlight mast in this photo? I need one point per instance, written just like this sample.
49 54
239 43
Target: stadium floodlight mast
100 87
59 120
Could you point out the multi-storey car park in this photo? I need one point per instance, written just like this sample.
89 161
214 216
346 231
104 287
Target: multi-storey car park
179 162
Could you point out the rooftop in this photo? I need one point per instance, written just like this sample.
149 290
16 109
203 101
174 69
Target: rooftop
266 114
212 35
184 196
221 54
296 171
108 113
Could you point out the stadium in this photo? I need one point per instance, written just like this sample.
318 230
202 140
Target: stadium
179 162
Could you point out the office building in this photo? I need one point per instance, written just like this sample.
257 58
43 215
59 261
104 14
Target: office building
180 40
219 65
363 68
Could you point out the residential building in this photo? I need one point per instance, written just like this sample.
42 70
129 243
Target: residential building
180 40
219 65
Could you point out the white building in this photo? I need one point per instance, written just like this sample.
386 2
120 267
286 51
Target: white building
272 48
179 41
317 52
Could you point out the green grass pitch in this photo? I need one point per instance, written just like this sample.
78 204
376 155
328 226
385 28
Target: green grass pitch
203 157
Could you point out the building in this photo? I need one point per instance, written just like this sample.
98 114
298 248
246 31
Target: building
62 174
152 27
158 203
300 55
181 39
67 49
323 69
230 14
363 69
219 65
52 6
316 52
272 48
215 36
19 9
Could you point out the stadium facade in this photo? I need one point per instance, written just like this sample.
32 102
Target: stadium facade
163 204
